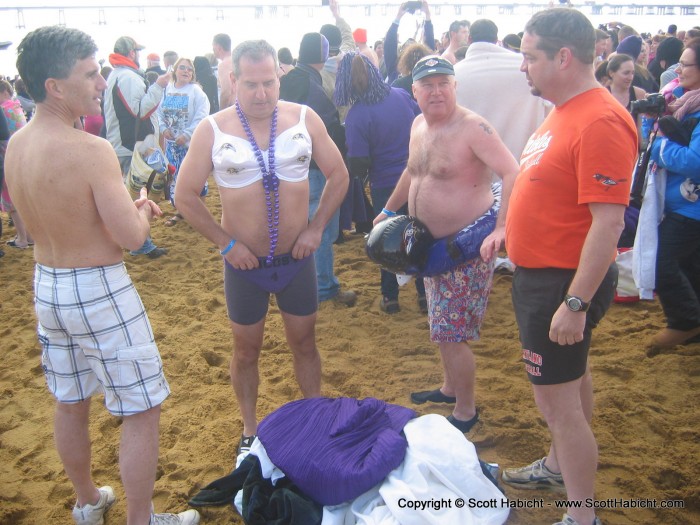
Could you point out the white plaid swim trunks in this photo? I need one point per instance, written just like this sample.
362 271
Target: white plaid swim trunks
96 337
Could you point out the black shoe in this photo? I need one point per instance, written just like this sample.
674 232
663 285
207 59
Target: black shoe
423 304
463 426
434 396
389 306
157 252
245 443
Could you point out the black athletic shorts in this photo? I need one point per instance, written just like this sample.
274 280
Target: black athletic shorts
537 294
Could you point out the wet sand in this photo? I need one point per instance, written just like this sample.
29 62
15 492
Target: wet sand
646 416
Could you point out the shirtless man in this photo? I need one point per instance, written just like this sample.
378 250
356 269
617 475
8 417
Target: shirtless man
264 251
447 184
459 37
94 332
221 46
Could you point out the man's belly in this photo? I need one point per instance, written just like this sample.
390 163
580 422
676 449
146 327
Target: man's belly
447 211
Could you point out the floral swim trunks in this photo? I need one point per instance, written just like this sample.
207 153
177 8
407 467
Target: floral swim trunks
457 301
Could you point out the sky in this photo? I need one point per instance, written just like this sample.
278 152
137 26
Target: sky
159 28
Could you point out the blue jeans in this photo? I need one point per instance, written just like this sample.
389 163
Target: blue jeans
327 282
389 285
678 271
148 245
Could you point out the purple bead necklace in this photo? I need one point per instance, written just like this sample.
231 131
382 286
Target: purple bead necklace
269 177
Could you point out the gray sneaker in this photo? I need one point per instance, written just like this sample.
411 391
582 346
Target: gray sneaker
568 520
189 517
534 476
94 514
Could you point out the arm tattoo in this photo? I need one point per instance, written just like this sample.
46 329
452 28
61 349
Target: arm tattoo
486 128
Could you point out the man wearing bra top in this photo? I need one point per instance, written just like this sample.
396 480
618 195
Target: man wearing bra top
260 150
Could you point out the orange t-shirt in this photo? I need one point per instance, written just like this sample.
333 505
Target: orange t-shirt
584 151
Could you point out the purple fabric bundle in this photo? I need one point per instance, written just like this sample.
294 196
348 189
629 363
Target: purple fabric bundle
336 449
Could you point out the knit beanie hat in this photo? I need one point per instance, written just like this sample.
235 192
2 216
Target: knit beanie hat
313 49
670 49
360 36
332 34
632 46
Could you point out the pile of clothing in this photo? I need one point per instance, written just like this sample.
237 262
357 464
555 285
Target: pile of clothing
345 461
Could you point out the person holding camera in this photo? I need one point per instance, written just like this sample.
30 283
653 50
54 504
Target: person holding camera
407 54
620 70
678 252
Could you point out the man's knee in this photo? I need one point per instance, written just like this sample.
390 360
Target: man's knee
147 417
81 409
245 354
306 350
451 349
559 403
247 342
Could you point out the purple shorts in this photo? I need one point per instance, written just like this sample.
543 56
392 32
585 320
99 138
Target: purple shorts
457 301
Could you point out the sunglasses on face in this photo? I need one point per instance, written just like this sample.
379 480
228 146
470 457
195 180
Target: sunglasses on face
185 68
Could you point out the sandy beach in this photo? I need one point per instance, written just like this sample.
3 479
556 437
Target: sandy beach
646 418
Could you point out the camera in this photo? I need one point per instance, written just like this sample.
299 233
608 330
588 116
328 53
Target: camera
654 104
412 7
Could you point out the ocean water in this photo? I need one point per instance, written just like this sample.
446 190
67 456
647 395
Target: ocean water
189 29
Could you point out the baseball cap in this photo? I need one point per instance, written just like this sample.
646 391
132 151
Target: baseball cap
432 65
125 44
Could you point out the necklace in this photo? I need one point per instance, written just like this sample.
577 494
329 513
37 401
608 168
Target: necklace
270 181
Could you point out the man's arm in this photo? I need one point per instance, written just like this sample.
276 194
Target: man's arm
127 221
347 42
596 257
330 162
428 31
490 149
398 197
148 103
391 46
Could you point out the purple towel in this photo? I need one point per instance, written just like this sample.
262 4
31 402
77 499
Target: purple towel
336 449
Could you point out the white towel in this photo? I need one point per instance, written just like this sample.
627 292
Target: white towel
647 238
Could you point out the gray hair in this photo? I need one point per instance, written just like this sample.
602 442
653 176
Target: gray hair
255 50
51 52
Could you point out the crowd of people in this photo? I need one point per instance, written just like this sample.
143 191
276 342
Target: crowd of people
300 148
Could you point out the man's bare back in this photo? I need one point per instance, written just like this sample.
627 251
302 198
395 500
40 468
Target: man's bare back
68 186
450 180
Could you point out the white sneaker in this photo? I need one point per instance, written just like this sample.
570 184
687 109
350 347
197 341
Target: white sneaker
189 517
568 520
94 514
